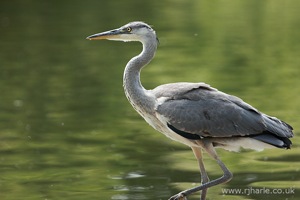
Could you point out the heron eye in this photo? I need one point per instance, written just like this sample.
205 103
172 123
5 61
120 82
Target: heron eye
129 29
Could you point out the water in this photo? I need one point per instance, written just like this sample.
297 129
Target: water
68 132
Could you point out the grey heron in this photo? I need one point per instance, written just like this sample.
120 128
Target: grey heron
195 114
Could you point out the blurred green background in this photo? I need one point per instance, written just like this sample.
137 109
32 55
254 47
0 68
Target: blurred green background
67 130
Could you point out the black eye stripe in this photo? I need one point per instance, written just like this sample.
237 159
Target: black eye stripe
130 28
144 26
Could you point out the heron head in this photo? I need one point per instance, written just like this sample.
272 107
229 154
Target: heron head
133 31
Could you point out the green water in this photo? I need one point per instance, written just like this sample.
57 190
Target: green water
68 132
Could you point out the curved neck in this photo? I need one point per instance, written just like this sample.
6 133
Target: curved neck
135 92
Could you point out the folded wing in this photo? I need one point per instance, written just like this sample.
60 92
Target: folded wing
197 108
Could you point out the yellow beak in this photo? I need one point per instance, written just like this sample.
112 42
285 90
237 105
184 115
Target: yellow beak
110 35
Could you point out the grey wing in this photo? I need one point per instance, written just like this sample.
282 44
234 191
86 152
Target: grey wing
206 112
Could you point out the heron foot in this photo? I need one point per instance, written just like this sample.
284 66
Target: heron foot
179 196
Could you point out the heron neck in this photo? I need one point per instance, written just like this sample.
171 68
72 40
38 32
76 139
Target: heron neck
135 92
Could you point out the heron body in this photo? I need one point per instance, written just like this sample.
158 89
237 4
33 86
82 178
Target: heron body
195 114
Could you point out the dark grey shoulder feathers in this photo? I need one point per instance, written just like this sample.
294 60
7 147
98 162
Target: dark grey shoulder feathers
174 90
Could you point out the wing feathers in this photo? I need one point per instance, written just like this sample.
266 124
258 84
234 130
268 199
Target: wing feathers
206 112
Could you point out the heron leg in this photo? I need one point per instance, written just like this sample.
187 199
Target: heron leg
204 177
227 175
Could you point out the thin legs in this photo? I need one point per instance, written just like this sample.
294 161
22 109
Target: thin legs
204 177
208 147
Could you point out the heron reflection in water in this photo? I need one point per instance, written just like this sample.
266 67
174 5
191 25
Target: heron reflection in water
195 114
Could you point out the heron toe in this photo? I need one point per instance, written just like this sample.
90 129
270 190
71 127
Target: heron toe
179 196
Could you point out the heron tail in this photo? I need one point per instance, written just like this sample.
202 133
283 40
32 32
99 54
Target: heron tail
277 133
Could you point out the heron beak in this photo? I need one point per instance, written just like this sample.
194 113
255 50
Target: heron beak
109 35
